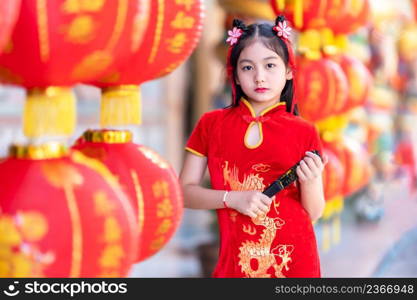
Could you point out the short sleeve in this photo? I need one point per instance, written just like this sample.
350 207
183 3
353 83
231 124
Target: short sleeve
315 142
198 140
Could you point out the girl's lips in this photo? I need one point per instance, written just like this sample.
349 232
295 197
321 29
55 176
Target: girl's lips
261 90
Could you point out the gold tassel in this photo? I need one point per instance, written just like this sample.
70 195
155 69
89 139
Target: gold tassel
298 13
327 42
309 44
49 111
328 210
120 106
342 42
326 238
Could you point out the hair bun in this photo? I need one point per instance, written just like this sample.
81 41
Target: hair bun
280 18
239 24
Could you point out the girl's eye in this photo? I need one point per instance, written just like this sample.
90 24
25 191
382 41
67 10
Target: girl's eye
270 65
247 68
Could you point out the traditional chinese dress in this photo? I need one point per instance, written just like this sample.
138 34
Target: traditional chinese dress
282 243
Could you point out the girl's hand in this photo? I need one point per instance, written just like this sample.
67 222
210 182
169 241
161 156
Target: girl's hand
310 168
250 203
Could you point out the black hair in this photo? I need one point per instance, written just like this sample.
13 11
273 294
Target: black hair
265 33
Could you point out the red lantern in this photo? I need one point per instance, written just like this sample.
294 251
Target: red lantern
172 34
347 16
9 10
321 88
147 178
62 216
333 176
359 80
69 41
358 169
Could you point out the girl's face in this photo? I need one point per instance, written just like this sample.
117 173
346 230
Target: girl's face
261 73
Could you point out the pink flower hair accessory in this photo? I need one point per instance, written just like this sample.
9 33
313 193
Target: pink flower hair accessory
282 29
234 35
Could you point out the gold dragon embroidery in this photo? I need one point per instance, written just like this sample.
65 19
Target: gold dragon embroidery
256 257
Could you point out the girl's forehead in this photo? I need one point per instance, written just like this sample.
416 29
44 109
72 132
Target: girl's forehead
257 50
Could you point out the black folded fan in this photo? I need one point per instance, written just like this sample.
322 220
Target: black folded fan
284 180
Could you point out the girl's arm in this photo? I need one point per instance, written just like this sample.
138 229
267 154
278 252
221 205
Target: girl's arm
249 203
311 184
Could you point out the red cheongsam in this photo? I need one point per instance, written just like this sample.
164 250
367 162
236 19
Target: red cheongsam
282 243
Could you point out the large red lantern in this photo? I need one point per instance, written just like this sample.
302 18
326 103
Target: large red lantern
9 10
347 16
359 80
358 169
69 40
60 43
172 33
321 88
63 215
333 176
147 178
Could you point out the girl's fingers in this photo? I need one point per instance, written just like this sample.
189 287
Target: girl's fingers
252 214
316 159
263 208
266 200
306 170
310 163
300 174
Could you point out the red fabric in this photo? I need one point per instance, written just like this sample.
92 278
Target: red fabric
283 244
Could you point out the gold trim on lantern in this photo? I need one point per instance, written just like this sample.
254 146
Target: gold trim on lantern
140 201
108 136
122 9
35 152
42 22
158 30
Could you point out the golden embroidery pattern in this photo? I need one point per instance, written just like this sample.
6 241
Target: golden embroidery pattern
259 253
261 167
250 182
249 229
256 257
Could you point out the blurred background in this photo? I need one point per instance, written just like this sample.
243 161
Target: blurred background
357 82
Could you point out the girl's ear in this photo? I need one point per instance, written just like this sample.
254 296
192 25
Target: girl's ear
237 80
288 75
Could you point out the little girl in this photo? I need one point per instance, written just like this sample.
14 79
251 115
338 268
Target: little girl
248 145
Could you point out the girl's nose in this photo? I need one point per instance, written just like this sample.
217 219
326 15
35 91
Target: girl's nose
259 78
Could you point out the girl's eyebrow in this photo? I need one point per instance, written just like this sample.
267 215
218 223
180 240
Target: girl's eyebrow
249 61
245 61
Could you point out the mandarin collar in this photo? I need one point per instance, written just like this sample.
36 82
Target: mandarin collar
247 108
